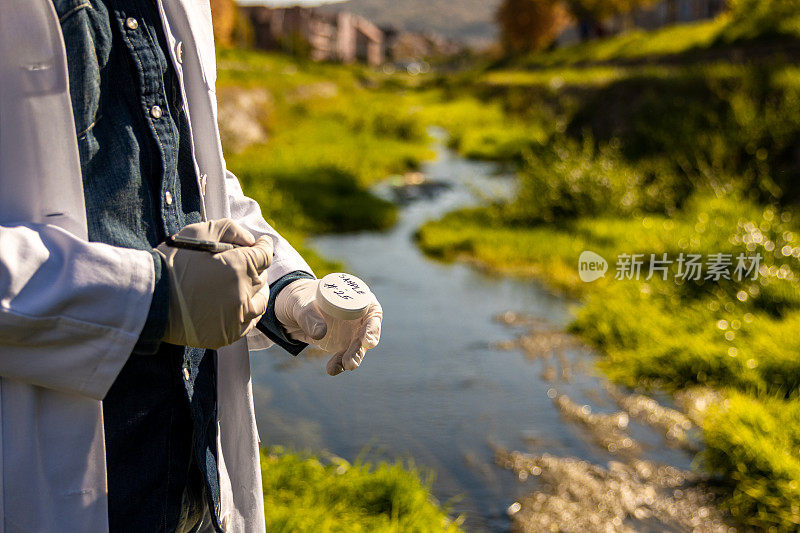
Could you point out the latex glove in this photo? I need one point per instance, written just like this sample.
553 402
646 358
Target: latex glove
215 299
295 309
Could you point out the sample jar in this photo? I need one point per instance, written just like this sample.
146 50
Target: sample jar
343 300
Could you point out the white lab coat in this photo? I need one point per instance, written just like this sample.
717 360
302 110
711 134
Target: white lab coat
71 310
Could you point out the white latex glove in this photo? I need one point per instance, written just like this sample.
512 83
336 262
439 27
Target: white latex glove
215 299
295 309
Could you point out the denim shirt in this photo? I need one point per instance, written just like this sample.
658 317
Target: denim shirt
140 185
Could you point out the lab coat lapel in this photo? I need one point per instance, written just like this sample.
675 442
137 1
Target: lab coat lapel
190 23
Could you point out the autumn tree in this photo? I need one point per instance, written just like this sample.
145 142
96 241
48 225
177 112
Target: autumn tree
223 17
528 25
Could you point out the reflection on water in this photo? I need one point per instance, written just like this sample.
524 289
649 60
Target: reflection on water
437 389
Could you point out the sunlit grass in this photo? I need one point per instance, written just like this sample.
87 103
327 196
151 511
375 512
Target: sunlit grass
645 157
481 130
328 139
668 41
754 443
556 78
731 335
664 157
303 493
636 44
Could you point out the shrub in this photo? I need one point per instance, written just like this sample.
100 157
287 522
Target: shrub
751 19
754 443
569 179
304 493
527 25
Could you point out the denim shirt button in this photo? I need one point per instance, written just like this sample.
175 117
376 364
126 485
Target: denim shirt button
155 111
131 23
168 197
186 374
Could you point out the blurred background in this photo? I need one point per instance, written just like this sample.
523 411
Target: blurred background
459 156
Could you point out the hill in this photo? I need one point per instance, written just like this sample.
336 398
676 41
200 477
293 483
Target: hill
469 21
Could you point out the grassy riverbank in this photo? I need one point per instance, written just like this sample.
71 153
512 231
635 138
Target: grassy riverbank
307 139
306 493
679 142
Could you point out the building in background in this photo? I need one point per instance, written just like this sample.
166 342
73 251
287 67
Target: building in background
343 37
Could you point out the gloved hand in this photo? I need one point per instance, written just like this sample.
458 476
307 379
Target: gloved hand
295 309
215 299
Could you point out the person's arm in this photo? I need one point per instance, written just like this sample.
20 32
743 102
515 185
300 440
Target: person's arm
156 323
247 213
71 311
287 266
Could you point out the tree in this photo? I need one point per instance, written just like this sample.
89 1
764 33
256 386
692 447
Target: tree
529 25
223 16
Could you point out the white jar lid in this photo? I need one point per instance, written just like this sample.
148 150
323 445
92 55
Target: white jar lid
343 296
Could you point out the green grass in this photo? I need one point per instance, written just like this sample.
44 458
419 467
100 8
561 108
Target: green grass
623 149
749 20
479 129
759 19
644 143
330 135
557 77
305 493
636 44
754 443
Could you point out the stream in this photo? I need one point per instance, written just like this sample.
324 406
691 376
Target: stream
439 389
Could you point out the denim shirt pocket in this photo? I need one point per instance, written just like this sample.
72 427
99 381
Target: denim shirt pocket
87 40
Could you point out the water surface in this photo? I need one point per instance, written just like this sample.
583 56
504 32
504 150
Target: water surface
435 390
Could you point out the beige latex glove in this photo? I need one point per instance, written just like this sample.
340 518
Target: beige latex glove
295 309
216 299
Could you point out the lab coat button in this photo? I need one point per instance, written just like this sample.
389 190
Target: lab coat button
155 111
131 23
168 197
179 51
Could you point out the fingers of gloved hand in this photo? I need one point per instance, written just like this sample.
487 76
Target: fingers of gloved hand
256 306
180 327
228 230
199 230
259 256
311 321
253 259
222 230
370 331
352 357
334 366
292 299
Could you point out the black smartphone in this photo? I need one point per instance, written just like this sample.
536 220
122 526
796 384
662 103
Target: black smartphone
199 245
